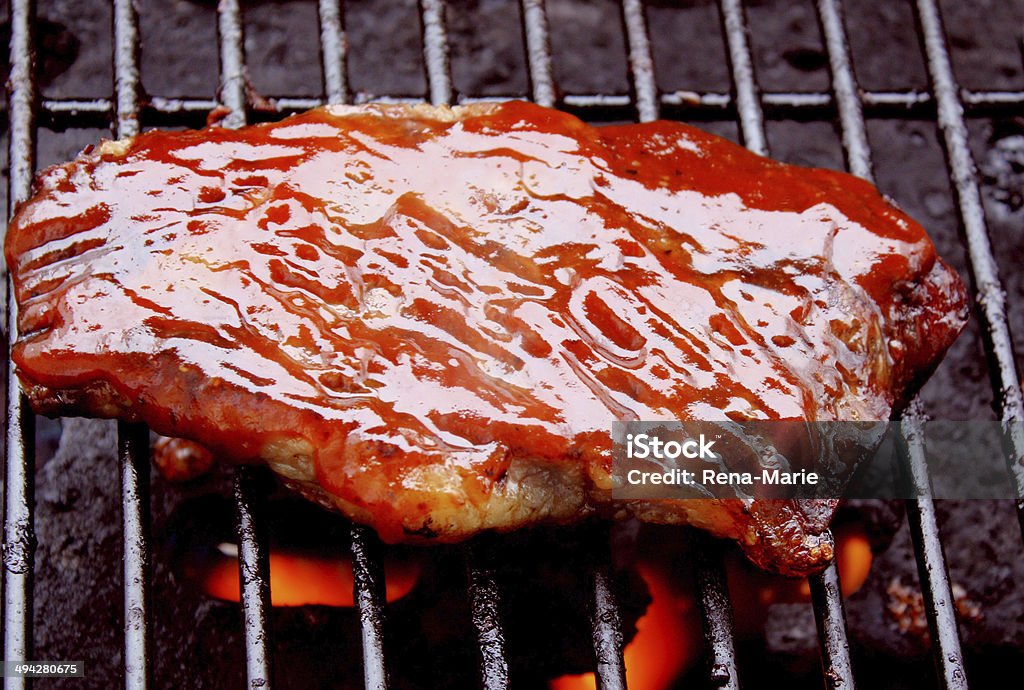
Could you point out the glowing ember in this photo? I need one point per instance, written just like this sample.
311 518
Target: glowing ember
298 579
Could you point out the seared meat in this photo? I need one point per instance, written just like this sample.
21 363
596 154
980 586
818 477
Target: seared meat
428 318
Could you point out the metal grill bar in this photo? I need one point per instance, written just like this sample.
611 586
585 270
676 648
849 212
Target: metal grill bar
435 51
369 594
19 465
538 52
827 595
126 69
931 560
691 105
232 90
641 63
829 616
133 439
741 67
253 559
254 581
826 592
846 89
606 616
133 455
485 604
367 565
716 612
989 293
333 51
606 630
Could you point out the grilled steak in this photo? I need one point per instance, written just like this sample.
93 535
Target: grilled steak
428 318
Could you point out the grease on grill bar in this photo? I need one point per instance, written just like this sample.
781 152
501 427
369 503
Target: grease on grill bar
748 103
19 466
133 440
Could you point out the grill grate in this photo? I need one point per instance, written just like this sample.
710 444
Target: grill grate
946 102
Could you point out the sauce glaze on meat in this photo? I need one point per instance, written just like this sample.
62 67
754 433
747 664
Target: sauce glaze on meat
430 317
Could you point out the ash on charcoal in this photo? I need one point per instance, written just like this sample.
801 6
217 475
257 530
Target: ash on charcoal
1003 174
986 567
78 528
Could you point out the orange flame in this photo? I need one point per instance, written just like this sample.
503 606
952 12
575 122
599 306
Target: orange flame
301 579
666 640
668 635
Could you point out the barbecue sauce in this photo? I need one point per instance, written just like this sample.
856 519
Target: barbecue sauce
397 289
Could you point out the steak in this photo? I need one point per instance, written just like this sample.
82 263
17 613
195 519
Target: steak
429 317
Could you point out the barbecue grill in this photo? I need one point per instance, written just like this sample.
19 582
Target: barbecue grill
746 103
